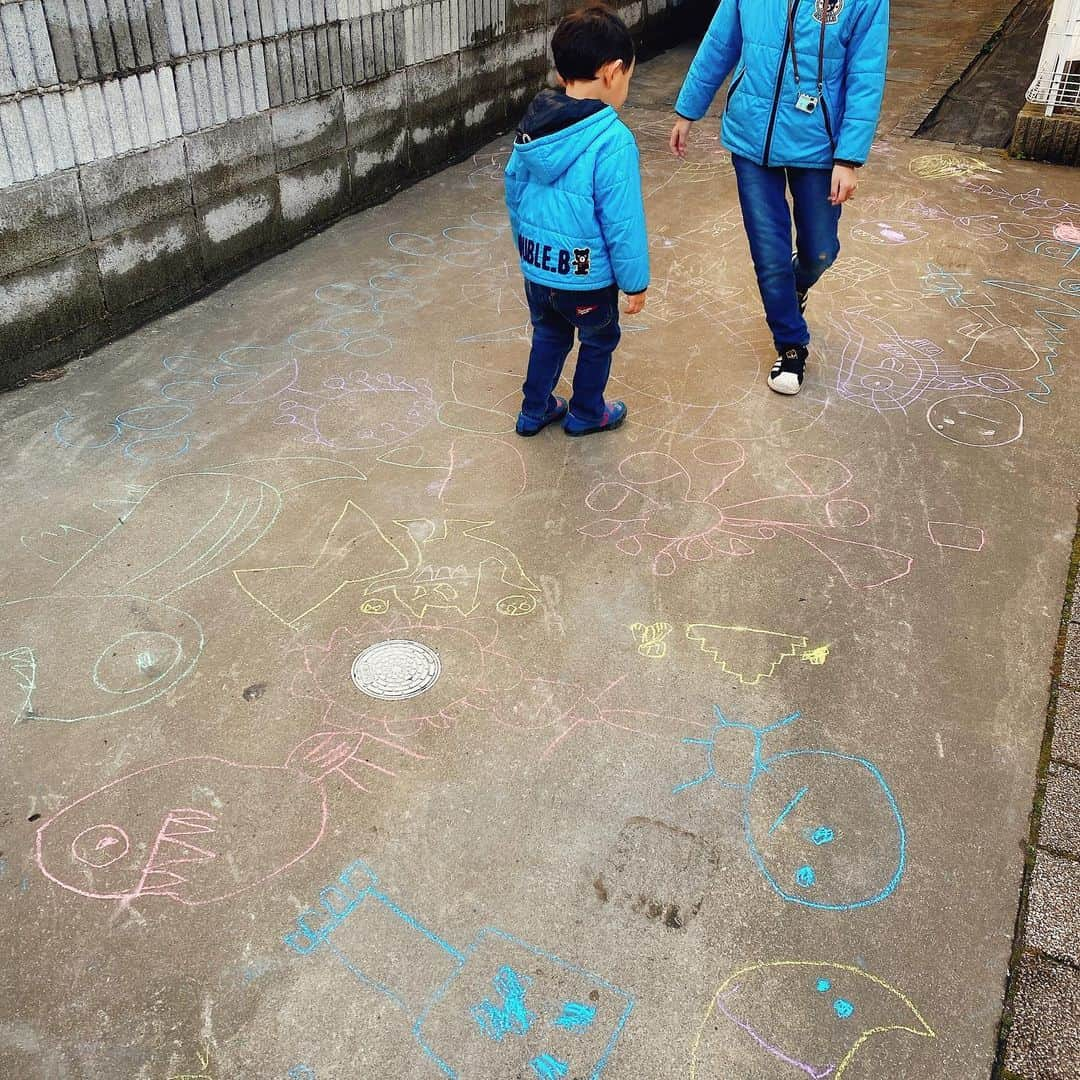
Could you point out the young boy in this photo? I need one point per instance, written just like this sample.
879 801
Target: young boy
801 113
573 189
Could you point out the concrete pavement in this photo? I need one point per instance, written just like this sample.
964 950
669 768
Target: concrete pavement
729 760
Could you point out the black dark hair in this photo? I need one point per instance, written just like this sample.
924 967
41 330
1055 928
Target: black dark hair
586 40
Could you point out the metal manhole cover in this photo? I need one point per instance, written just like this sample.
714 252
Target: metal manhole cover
396 669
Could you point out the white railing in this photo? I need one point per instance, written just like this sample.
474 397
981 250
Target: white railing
1055 90
1057 83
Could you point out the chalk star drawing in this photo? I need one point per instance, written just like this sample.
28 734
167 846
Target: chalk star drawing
750 654
196 830
812 1017
487 1011
822 827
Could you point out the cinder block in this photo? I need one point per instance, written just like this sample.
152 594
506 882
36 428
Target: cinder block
139 25
125 192
13 29
231 157
46 302
169 104
378 135
100 126
116 115
75 15
348 72
256 30
185 98
174 25
37 130
17 141
155 113
41 220
216 81
104 49
311 62
142 262
63 49
121 35
79 125
313 194
208 24
234 98
238 228
192 27
528 63
136 112
308 130
270 66
59 135
301 88
38 31
484 73
7 74
436 124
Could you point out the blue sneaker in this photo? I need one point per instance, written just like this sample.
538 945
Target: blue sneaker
529 426
614 415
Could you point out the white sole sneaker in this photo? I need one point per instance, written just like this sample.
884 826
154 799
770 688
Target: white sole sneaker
787 382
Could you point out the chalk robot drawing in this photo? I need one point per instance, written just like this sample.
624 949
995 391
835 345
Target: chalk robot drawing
822 827
493 1009
196 830
812 1017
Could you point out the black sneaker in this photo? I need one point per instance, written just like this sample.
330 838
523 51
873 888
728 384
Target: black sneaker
786 376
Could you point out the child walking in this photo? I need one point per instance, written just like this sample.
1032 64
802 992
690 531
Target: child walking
801 112
573 190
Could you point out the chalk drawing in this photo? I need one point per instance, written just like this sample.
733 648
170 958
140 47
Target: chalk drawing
823 828
486 1011
750 654
889 233
975 420
301 1072
954 535
949 167
812 1017
651 638
651 510
196 830
204 1068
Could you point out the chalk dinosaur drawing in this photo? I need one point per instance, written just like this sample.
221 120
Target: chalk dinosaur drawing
652 510
811 1017
823 828
197 830
498 1007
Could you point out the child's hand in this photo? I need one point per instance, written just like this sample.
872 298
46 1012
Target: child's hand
635 304
844 183
680 137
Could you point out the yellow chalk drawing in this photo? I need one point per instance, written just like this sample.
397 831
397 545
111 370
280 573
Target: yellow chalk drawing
949 166
378 606
204 1066
651 638
519 604
750 654
799 975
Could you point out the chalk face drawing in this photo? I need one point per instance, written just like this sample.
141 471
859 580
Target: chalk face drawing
973 420
653 511
70 658
823 828
812 1018
496 1008
196 830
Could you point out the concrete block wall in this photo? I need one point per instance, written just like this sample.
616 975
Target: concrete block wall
150 149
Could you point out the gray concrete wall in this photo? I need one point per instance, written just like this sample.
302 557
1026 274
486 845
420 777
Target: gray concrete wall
154 149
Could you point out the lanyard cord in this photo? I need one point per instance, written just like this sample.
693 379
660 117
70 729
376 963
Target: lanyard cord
792 8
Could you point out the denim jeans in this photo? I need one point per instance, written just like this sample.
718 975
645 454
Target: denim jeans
555 315
767 218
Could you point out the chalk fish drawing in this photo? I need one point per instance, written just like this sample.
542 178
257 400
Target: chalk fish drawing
822 827
197 830
811 1017
751 654
496 1008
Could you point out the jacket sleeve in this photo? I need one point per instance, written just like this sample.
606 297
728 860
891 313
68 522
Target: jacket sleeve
620 209
512 194
864 77
718 53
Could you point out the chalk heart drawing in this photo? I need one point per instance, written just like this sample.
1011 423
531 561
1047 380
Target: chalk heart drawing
496 1008
822 827
422 564
652 511
197 830
475 682
812 1018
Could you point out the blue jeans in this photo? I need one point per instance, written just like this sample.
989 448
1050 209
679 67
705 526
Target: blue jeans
555 315
767 219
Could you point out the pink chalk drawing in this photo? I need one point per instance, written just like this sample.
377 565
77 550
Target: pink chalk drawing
197 830
952 534
1067 233
889 232
653 510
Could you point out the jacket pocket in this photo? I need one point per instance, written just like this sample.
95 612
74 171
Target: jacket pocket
826 115
733 87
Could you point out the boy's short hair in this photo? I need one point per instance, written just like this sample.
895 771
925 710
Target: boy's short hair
587 39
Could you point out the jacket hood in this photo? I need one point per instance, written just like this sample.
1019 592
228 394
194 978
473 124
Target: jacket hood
555 129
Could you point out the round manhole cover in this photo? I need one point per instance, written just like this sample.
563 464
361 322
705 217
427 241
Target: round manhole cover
392 670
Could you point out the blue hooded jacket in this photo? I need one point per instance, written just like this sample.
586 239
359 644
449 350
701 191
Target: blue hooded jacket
573 190
760 120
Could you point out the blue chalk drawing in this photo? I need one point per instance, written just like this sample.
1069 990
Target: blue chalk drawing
474 1011
843 1008
783 788
512 1016
823 986
301 1072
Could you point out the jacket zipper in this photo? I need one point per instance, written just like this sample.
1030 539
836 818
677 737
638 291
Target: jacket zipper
828 122
780 82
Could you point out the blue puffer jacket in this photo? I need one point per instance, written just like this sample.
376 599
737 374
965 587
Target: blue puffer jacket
760 120
573 189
